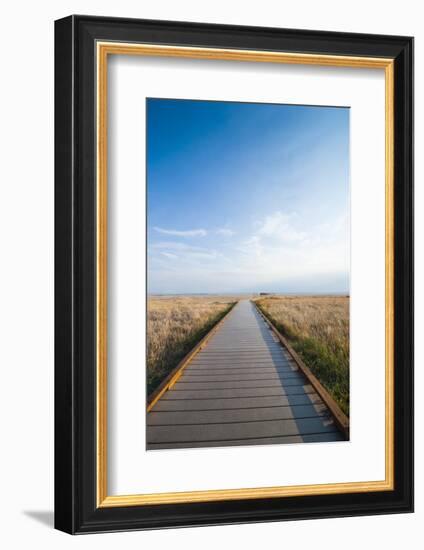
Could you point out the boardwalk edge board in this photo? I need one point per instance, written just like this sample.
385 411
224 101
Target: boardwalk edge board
340 417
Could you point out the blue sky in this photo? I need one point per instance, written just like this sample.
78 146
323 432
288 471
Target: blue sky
247 197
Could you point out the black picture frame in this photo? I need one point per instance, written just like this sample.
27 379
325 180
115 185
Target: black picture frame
76 510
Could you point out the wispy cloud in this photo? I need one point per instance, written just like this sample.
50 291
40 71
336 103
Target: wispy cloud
282 227
185 253
169 255
283 248
185 233
225 232
176 247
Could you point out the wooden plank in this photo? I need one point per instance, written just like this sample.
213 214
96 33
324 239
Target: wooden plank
241 359
197 371
158 418
240 377
249 340
236 403
329 437
242 370
240 392
298 381
233 353
237 347
242 363
241 374
243 430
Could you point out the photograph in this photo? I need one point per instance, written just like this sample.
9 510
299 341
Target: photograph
248 273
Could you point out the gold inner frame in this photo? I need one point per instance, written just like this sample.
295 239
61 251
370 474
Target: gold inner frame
104 49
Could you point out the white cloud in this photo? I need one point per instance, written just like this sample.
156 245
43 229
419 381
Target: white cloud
185 253
251 247
169 255
225 232
186 233
176 246
212 255
281 226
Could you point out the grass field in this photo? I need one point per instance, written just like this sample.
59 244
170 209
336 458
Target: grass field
174 326
318 329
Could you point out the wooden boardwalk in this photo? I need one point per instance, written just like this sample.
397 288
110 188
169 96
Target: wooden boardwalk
243 388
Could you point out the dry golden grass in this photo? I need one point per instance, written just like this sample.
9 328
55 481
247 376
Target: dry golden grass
318 329
174 326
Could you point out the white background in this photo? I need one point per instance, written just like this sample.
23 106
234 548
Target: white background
26 289
132 469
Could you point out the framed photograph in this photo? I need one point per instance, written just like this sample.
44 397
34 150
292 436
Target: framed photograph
234 274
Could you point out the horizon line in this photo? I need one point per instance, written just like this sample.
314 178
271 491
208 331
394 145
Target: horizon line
328 293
